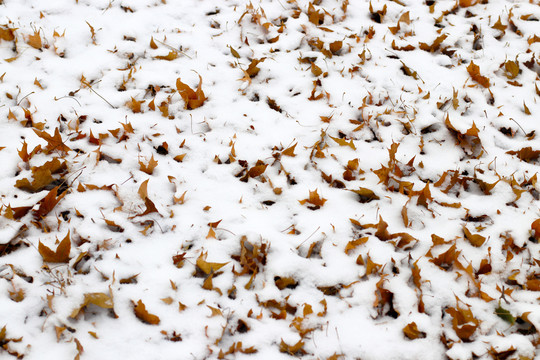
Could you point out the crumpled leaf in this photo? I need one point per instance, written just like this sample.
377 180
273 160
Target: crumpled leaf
365 195
144 315
463 322
61 255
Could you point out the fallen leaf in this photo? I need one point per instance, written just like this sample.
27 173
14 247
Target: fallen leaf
54 142
144 315
192 99
100 299
474 72
61 255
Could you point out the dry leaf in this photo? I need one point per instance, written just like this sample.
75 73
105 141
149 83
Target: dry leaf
169 57
208 267
411 331
148 168
474 72
100 299
314 199
144 315
192 99
35 40
61 255
54 142
48 203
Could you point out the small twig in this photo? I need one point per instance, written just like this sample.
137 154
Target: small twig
518 125
95 92
313 233
25 98
173 49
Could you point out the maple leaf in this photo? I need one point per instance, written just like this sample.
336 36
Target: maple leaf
463 322
42 176
313 199
135 105
192 99
35 40
61 255
143 315
143 193
365 195
296 349
148 168
54 142
48 203
474 72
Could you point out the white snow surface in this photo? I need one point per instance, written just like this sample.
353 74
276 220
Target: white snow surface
340 104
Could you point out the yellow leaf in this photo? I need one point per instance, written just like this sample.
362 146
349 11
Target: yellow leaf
343 142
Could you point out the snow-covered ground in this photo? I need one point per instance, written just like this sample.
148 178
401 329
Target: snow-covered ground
271 179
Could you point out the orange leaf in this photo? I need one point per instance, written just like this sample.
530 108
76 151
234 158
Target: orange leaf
411 331
289 151
135 105
475 239
61 255
144 315
535 226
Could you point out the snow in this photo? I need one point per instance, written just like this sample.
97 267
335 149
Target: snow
318 292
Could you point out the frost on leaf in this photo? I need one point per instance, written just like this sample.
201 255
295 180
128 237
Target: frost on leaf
192 99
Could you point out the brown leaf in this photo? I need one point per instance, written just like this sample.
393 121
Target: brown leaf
169 57
365 195
475 239
48 203
153 44
343 142
314 199
148 168
289 151
257 170
35 40
144 315
100 299
535 227
61 255
526 154
54 142
463 322
436 44
474 72
512 69
208 267
192 99
411 331
7 33
134 105
296 349
253 69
